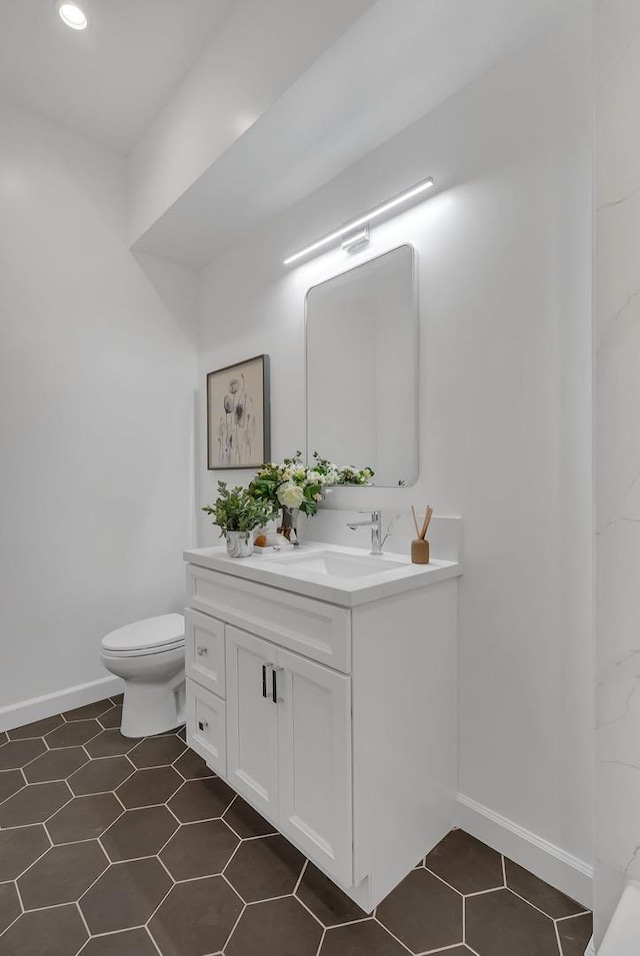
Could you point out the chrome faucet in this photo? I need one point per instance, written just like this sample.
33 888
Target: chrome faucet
375 523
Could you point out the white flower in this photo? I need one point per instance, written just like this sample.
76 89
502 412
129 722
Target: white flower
299 474
287 474
290 495
315 478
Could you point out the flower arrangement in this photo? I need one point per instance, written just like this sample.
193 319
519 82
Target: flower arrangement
237 509
292 484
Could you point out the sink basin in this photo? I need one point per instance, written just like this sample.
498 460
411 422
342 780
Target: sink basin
336 564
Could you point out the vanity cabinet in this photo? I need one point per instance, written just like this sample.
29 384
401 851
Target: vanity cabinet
338 724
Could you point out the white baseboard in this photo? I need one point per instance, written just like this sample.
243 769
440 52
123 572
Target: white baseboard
591 948
26 711
547 861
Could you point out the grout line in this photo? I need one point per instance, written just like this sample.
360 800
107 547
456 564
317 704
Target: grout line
449 884
235 925
529 903
374 919
494 889
309 911
322 936
504 870
558 941
302 872
562 919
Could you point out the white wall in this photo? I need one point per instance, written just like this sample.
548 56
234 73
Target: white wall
617 454
258 51
504 259
96 408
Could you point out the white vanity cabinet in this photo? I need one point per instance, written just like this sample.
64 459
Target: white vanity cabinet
337 723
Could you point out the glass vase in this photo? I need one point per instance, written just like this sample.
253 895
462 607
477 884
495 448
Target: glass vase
288 527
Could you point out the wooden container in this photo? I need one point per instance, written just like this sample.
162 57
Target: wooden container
420 551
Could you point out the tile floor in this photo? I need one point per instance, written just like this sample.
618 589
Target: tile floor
116 847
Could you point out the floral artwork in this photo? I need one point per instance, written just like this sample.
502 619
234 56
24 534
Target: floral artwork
238 415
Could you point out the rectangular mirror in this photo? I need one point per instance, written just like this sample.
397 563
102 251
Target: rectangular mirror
362 343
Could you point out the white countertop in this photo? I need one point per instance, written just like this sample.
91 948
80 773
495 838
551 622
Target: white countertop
286 570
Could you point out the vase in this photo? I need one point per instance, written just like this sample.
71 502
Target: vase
289 524
239 544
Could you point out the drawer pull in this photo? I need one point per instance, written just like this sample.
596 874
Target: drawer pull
203 725
201 650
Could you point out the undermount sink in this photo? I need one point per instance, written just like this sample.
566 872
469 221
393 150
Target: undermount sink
336 564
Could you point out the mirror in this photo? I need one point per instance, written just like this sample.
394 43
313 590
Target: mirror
362 341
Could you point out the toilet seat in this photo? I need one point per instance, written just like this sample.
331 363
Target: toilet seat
154 635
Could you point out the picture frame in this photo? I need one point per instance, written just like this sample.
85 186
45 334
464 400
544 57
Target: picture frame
238 415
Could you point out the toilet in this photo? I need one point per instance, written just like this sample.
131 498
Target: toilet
149 656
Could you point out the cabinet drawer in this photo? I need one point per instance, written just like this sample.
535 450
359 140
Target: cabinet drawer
309 627
206 727
204 651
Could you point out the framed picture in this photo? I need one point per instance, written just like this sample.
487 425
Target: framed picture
238 425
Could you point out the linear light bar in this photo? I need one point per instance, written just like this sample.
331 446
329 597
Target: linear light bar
362 220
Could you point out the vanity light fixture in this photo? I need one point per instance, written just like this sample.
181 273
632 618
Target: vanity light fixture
73 15
362 220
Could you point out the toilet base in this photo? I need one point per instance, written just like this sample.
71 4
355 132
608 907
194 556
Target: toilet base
150 709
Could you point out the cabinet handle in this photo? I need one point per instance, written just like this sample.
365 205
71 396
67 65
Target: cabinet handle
201 651
203 724
264 679
274 684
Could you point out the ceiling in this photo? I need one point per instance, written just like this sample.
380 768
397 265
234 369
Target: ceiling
109 81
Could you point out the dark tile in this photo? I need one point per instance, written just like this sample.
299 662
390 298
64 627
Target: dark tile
423 913
325 900
96 709
9 906
263 868
116 698
192 766
3 737
110 743
139 833
62 874
131 942
199 849
55 764
501 924
19 848
157 751
74 734
182 734
465 863
84 818
18 753
100 775
246 821
34 804
10 782
112 718
551 901
282 927
575 934
37 729
125 896
58 931
196 918
361 939
201 800
145 788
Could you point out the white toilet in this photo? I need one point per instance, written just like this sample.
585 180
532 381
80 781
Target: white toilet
149 656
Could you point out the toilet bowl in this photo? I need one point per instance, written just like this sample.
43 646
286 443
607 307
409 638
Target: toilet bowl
149 656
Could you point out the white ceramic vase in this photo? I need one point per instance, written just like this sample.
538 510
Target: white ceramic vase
239 544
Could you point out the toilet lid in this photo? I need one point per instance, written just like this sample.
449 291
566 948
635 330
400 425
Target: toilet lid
152 633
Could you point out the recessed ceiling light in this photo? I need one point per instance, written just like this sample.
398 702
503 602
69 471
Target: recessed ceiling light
73 15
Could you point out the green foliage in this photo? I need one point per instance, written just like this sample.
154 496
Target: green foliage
237 509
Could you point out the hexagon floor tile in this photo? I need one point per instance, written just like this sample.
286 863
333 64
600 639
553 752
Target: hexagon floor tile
159 855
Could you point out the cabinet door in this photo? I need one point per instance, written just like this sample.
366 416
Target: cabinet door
252 721
314 735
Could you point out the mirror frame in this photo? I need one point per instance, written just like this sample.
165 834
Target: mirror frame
415 306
